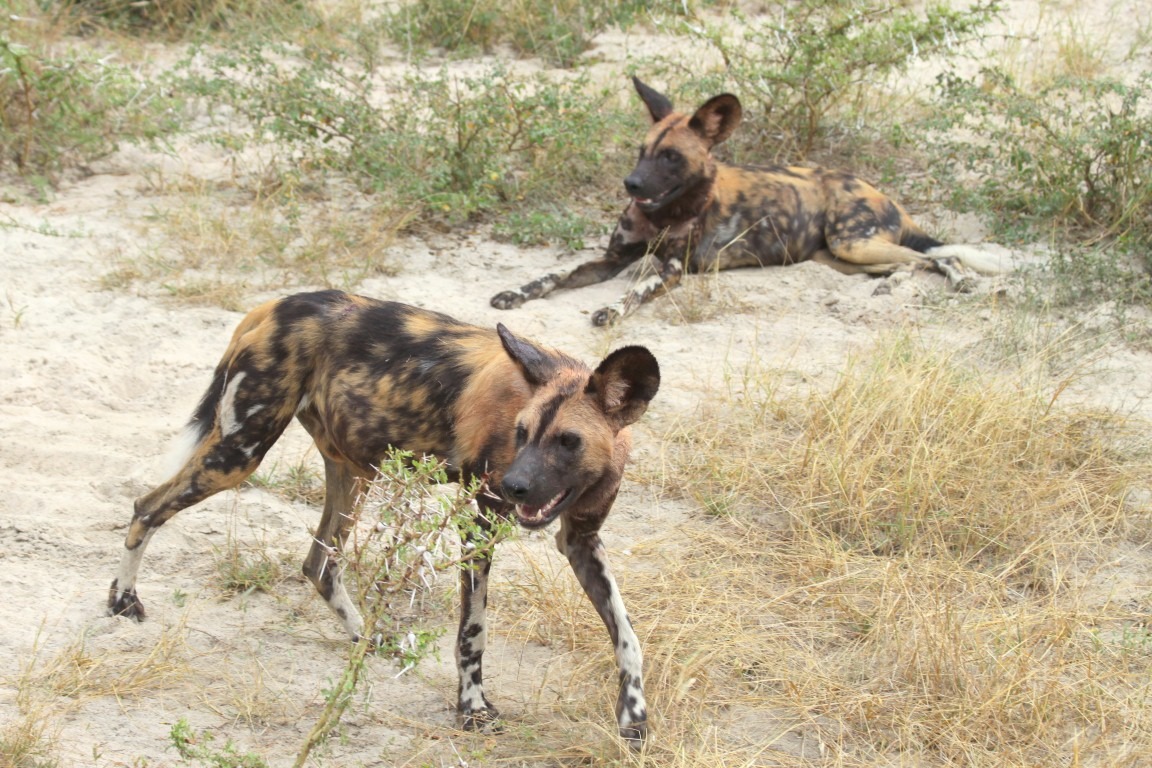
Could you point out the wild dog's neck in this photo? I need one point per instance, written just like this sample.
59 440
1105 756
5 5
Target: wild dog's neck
689 204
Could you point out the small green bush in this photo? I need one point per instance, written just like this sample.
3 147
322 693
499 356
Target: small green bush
177 18
447 148
404 534
556 30
1073 156
197 748
816 61
62 110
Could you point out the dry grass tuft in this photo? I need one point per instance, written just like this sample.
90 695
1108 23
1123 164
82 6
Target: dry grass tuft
913 451
223 244
79 671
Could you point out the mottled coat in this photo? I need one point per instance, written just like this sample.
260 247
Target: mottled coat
689 211
547 435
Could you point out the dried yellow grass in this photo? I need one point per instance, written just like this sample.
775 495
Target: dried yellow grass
226 242
908 569
78 671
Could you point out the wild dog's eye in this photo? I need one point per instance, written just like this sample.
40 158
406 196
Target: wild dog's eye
570 440
670 156
521 435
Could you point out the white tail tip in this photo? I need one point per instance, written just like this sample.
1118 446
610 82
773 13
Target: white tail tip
181 449
976 259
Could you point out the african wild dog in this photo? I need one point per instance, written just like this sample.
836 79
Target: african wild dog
689 211
548 436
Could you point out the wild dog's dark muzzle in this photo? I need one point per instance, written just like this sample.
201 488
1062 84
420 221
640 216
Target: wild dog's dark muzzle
649 190
536 500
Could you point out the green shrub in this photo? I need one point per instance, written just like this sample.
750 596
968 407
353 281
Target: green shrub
405 533
556 30
447 148
797 70
61 110
197 748
177 18
1072 157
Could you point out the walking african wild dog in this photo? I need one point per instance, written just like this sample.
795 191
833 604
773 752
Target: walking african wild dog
548 435
689 211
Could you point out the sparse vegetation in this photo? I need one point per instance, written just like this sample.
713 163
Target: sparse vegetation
63 108
243 571
404 537
914 565
555 31
818 63
931 593
454 147
177 19
1072 157
197 748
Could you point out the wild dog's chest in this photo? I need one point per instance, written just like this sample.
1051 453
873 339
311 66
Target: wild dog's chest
754 218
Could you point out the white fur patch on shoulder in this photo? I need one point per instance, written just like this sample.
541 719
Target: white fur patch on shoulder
976 259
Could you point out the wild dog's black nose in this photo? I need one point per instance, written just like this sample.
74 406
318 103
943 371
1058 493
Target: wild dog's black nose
514 488
632 185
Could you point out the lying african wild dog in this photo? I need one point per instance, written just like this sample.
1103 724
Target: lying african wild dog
689 211
548 435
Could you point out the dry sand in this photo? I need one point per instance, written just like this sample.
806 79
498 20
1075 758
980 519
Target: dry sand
94 383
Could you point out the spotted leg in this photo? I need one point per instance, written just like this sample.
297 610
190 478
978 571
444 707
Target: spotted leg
220 457
585 554
475 711
655 277
572 276
244 411
322 566
628 243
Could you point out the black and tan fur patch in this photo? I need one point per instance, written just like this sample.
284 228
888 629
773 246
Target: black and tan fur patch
548 435
690 212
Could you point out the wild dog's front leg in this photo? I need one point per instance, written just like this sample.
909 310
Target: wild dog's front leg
575 275
658 277
476 712
585 553
629 242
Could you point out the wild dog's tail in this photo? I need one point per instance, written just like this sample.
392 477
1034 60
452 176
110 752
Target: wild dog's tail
204 417
969 256
184 445
984 262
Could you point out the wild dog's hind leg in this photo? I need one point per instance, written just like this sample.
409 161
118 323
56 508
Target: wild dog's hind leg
476 712
585 553
218 463
215 468
321 566
244 412
877 256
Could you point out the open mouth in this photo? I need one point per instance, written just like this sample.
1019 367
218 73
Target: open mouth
651 203
538 517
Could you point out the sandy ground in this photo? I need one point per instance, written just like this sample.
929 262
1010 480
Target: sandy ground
94 383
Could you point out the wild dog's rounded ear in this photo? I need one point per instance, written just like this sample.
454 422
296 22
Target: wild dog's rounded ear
624 383
659 105
717 118
537 365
